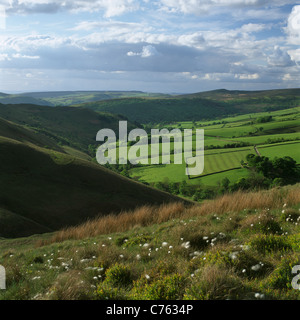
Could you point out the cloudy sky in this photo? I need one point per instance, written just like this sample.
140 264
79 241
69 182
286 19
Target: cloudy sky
177 46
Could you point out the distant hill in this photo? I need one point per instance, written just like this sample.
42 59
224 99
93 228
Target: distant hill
252 101
225 95
198 106
146 110
157 107
66 98
19 98
43 190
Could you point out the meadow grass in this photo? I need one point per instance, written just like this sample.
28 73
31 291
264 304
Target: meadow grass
240 246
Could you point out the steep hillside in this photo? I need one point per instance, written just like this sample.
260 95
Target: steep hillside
17 132
76 127
45 190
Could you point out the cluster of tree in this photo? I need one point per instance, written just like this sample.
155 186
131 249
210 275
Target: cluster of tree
265 172
122 169
278 140
264 119
228 145
194 191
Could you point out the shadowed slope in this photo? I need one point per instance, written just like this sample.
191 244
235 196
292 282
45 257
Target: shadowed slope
56 190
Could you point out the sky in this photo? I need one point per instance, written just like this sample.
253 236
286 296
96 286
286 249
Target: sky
166 46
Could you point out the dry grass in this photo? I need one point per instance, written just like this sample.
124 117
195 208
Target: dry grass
148 215
141 217
69 286
240 200
214 282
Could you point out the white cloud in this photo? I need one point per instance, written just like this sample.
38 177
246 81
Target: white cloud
110 8
2 17
279 58
199 7
4 56
293 26
236 42
295 55
24 56
108 25
254 76
147 51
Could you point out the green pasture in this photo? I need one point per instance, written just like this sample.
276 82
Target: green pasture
281 150
214 162
279 115
279 137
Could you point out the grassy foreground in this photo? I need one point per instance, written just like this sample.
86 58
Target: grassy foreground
240 246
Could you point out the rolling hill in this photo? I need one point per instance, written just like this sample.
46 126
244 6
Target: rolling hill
46 185
19 98
75 127
65 98
42 190
198 106
156 107
155 110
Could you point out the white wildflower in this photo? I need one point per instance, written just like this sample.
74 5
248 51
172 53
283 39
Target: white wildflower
256 267
186 245
259 295
233 255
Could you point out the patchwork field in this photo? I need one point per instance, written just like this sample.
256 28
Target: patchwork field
227 142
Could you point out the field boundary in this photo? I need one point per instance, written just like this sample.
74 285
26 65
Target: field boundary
210 174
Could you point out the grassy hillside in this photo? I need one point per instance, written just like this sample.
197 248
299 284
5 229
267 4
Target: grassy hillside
75 127
17 132
154 110
240 246
53 189
199 106
47 182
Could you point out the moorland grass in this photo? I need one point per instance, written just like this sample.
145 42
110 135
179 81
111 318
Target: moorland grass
239 246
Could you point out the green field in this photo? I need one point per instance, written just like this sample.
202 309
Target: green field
291 149
227 142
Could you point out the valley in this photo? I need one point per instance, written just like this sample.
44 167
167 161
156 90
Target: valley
71 228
